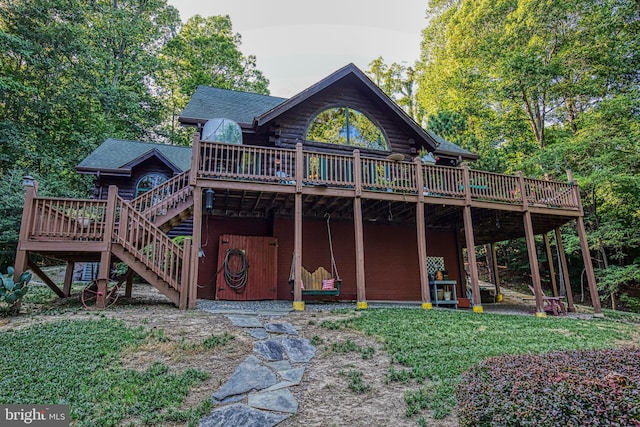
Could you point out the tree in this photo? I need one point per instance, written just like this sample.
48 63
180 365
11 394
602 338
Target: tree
204 52
528 60
399 82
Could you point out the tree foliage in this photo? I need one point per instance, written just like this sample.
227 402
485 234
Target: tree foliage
543 86
204 52
75 72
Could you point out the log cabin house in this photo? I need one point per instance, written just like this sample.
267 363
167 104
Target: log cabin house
319 196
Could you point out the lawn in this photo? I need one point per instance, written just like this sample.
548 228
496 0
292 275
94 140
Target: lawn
83 363
433 348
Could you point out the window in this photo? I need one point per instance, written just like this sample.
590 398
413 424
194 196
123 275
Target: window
346 126
149 182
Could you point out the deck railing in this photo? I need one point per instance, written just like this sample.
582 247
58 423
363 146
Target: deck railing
85 220
67 219
138 236
242 162
164 197
260 164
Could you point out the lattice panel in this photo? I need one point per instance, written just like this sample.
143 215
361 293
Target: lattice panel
435 263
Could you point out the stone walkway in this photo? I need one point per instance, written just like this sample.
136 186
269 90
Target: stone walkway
257 393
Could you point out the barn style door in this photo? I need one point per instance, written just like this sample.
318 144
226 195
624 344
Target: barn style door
247 268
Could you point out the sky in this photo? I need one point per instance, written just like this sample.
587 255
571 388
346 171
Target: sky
299 42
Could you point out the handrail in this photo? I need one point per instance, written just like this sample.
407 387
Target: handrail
388 175
67 219
165 196
232 162
550 193
243 162
138 236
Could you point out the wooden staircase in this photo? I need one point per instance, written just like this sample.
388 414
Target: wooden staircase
169 204
133 231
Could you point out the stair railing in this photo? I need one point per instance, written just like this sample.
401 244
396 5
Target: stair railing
166 196
149 245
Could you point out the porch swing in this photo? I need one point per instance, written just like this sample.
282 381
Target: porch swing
321 281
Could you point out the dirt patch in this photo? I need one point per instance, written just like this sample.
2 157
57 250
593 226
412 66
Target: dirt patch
176 340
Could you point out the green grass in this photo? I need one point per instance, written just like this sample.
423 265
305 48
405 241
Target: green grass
79 363
355 382
434 347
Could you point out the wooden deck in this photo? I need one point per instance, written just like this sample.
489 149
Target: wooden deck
251 181
250 168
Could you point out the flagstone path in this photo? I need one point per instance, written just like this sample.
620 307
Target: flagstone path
257 393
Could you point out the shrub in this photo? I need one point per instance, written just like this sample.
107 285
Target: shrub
571 388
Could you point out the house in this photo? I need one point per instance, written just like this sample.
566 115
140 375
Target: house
282 196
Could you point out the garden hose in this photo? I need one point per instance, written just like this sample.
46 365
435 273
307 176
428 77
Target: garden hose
236 280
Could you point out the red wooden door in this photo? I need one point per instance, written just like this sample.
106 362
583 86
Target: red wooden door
251 268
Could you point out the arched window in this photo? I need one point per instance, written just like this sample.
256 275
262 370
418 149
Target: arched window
149 182
346 126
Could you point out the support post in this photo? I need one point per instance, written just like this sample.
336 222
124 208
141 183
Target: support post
564 270
129 284
68 279
22 257
195 159
422 240
360 276
185 288
105 257
494 270
591 278
196 242
298 304
471 255
359 233
533 263
552 270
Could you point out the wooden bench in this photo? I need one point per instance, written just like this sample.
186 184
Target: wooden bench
553 305
313 283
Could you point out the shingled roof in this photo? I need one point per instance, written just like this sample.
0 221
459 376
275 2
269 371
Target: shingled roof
252 110
119 156
241 107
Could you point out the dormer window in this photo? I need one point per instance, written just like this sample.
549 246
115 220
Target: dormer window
347 126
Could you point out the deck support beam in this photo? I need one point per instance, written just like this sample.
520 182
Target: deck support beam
105 256
586 257
422 239
494 271
564 271
360 274
552 270
359 232
298 304
68 278
196 243
533 263
41 274
471 255
22 256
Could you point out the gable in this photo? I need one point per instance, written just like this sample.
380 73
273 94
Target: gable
268 120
